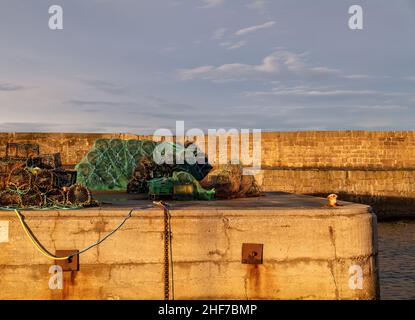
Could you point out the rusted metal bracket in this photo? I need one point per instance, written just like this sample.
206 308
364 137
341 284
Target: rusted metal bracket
252 253
71 264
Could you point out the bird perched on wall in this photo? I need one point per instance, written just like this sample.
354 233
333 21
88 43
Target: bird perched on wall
332 200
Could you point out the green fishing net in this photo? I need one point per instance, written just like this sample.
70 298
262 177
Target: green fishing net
197 170
110 163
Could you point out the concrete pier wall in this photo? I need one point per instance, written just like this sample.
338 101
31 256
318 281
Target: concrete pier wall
310 251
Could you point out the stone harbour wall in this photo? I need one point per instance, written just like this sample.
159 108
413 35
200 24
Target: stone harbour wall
375 168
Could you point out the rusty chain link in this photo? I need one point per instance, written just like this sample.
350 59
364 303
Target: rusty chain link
168 251
166 256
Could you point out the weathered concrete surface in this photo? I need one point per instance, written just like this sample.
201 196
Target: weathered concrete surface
308 250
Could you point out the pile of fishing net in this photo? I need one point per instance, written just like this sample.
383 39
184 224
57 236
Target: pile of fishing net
110 164
229 182
115 164
147 169
160 179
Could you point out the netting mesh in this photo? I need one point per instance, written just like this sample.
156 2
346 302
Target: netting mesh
129 165
110 164
178 152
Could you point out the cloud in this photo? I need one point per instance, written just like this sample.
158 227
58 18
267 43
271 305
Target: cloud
218 34
357 76
10 87
245 31
277 63
47 86
229 45
90 127
212 3
320 92
97 103
105 86
236 45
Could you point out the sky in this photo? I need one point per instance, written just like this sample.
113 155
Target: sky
137 66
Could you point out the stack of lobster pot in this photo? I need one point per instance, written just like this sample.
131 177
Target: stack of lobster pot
30 179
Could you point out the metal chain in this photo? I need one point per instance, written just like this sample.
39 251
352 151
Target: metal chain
166 255
167 247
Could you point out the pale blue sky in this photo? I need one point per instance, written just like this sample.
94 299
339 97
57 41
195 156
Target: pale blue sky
136 66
